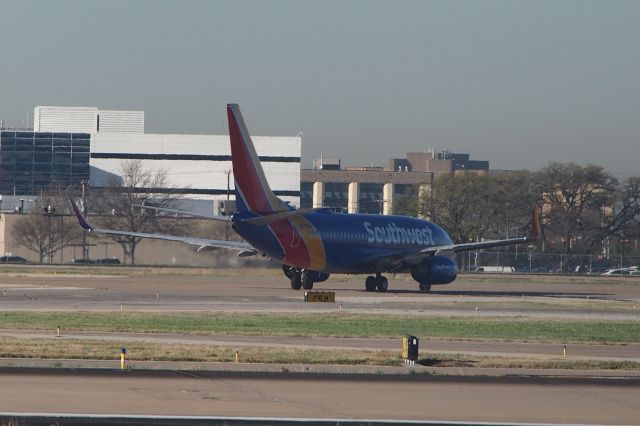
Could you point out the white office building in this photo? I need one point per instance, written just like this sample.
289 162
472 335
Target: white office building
197 165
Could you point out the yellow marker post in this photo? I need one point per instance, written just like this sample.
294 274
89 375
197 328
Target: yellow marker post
564 351
237 357
58 331
476 311
123 355
121 307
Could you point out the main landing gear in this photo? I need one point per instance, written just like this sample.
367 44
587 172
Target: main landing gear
301 280
378 282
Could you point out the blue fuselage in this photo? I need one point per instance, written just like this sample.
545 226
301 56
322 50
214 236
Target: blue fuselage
345 243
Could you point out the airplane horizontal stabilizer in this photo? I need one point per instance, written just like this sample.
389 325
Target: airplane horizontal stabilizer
267 219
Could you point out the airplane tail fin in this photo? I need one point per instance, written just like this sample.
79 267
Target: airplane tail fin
253 193
535 223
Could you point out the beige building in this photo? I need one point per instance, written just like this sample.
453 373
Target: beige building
378 189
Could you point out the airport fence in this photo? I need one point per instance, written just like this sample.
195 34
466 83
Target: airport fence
532 262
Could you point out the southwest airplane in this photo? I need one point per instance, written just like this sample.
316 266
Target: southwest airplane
311 244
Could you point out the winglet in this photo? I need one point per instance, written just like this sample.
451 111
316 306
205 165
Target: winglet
83 222
535 224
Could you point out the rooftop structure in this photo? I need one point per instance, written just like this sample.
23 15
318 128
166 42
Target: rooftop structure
86 120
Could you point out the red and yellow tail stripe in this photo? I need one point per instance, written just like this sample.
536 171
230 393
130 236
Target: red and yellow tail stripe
250 181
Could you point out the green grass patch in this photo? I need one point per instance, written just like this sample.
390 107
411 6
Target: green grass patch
332 325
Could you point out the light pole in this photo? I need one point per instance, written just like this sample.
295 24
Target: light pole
85 249
49 212
228 173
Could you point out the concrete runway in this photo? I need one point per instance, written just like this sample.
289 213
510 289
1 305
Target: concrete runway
418 397
268 291
517 400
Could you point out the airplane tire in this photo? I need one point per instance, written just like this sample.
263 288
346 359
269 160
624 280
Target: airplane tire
370 283
296 281
288 271
425 287
382 284
307 281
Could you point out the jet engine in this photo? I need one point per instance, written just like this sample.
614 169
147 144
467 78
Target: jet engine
435 270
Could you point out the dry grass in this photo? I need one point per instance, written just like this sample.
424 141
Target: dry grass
77 349
140 351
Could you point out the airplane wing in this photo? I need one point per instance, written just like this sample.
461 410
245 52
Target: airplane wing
244 249
456 248
399 261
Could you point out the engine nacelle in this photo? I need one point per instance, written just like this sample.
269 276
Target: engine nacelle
435 270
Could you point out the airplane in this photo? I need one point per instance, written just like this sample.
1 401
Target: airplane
312 244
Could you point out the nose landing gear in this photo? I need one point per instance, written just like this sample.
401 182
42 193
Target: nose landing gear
425 287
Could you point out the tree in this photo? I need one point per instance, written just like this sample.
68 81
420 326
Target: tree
48 230
472 206
578 207
118 199
624 222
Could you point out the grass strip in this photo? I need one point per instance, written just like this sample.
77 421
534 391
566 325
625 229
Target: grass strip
332 325
11 347
78 349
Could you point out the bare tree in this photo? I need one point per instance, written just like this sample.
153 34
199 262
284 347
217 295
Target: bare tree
117 202
471 206
623 224
578 207
49 229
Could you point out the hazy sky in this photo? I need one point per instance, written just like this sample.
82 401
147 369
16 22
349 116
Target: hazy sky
517 83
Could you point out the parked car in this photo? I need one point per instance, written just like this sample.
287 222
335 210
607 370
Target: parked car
109 261
83 261
622 272
12 259
497 269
